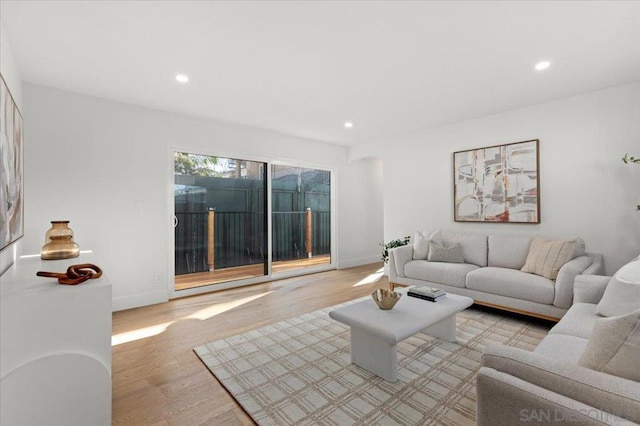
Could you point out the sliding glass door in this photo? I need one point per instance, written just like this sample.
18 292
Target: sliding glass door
221 231
220 219
301 217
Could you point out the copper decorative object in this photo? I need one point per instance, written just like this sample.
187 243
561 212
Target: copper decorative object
58 242
385 299
75 274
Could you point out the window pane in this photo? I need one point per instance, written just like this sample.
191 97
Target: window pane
220 232
301 217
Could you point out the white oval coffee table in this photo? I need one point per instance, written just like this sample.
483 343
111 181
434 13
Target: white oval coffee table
376 332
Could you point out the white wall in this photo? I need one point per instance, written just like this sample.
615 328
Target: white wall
365 223
585 189
11 76
105 167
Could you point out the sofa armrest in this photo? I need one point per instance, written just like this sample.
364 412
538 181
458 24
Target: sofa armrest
398 257
593 269
611 394
566 277
589 288
597 267
506 400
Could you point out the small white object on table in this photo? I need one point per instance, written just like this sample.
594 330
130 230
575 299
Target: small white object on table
376 332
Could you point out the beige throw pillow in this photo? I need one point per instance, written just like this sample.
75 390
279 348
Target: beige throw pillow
614 346
438 253
546 257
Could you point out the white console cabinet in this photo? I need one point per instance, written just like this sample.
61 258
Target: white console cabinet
55 346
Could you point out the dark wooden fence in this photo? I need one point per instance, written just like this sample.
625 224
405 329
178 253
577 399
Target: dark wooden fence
240 238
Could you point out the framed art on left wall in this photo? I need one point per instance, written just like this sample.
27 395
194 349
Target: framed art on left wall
11 169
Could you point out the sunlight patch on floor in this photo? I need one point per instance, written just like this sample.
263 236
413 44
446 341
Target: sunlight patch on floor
202 314
219 308
372 278
141 333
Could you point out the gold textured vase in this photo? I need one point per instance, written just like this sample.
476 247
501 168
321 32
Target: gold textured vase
58 242
386 299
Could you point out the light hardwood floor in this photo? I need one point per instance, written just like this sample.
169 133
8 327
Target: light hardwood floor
199 279
158 380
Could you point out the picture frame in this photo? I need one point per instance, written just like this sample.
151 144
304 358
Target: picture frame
11 169
499 183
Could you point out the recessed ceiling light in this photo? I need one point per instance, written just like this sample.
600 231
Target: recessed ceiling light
542 65
182 78
348 124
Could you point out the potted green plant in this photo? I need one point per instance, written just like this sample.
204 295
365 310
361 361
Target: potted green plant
627 159
392 244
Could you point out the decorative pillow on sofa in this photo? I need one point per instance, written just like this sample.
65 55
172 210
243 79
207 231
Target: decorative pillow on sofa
546 257
438 253
436 237
622 294
614 346
420 246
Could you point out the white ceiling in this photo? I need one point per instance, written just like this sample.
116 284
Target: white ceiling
304 68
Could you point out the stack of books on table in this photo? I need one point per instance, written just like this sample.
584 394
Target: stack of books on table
427 293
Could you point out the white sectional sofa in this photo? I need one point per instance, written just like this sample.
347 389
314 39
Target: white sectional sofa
552 384
491 273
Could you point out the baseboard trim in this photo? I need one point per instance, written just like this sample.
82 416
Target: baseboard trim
138 300
359 262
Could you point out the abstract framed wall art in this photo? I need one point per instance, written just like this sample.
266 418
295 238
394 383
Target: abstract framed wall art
11 169
498 183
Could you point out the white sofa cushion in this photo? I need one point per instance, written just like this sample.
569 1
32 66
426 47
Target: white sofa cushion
508 251
578 321
614 346
420 246
511 283
452 274
562 347
474 246
622 295
436 237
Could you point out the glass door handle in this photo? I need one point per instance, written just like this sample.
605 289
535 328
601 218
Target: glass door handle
175 221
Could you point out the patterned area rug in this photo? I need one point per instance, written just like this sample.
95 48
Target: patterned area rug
299 372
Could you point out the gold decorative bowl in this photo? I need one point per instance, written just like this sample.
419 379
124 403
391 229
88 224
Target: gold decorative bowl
385 299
